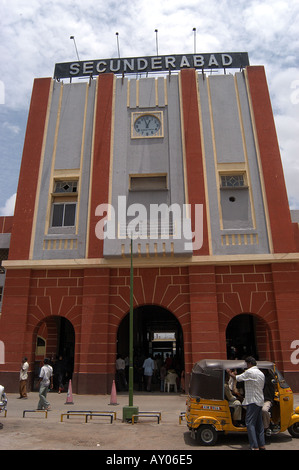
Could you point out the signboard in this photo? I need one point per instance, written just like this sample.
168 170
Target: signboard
167 63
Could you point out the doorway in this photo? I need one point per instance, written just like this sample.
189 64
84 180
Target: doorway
156 332
241 337
55 339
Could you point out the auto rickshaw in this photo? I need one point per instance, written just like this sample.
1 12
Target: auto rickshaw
208 412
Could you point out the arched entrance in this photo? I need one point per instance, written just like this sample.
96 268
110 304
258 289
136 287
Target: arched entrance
248 335
55 339
156 332
241 337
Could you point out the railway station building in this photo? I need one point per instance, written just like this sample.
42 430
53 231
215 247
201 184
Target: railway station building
185 163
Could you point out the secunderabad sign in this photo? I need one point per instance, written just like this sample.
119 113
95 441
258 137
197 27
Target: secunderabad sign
167 63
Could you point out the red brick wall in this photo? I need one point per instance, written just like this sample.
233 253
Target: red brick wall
272 171
193 151
29 172
203 298
101 158
286 292
249 289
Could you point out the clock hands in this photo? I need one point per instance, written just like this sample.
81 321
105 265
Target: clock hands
147 125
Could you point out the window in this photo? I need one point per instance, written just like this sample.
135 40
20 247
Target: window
3 255
64 215
235 201
40 346
232 181
65 186
64 203
155 182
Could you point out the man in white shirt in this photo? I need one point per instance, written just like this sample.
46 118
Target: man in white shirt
45 381
23 378
254 381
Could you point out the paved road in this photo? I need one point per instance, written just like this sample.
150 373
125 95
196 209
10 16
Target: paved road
35 432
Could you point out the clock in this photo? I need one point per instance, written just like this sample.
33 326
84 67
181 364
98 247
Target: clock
147 125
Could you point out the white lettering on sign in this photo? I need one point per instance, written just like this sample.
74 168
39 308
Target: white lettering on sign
226 60
99 64
142 64
151 64
74 68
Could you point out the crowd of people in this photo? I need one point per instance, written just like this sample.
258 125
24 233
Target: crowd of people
150 372
53 373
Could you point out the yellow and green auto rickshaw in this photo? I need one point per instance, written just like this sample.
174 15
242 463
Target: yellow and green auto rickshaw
208 412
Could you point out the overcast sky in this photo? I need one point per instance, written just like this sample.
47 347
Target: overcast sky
35 34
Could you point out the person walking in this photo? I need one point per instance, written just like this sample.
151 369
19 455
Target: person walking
23 378
45 380
254 381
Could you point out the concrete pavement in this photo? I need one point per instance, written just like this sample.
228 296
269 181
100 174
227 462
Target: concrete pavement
35 432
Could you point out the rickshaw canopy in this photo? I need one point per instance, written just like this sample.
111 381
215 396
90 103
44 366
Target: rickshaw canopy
207 378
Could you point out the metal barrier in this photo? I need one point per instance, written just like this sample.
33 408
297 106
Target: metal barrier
91 412
87 414
35 411
147 414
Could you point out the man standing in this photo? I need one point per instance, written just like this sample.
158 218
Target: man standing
148 367
254 399
23 378
121 382
45 380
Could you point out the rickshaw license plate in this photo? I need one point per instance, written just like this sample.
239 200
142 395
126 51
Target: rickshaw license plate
210 407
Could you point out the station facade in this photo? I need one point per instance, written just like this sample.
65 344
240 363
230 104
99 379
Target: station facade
188 165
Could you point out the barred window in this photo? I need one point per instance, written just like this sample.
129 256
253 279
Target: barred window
233 181
65 186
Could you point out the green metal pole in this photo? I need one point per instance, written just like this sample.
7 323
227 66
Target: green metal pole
131 332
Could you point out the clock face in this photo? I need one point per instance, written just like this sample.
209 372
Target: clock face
147 125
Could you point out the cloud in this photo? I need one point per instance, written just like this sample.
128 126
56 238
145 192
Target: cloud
35 35
9 206
14 129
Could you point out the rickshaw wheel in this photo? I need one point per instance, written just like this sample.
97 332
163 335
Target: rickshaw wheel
206 435
294 430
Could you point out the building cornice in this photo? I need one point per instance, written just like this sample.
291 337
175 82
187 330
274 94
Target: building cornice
149 262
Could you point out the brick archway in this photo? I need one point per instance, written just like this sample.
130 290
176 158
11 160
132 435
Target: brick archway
58 334
248 335
167 288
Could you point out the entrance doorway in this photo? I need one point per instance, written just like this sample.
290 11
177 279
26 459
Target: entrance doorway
158 333
55 339
241 337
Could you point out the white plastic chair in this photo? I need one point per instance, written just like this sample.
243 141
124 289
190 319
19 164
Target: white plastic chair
170 380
